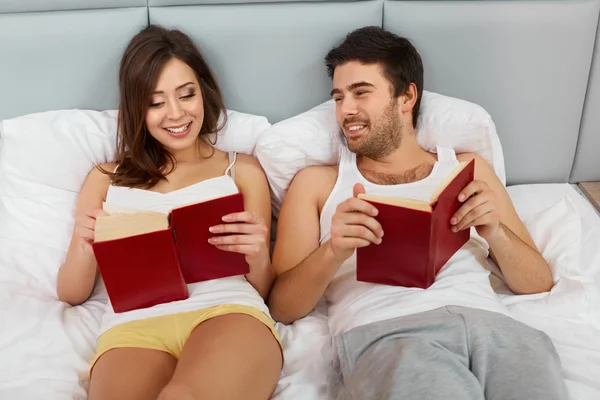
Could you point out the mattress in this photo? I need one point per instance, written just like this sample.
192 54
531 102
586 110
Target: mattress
45 345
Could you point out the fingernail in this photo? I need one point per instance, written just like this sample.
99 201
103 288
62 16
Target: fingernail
381 235
226 218
211 241
453 221
212 229
375 211
454 229
461 197
379 241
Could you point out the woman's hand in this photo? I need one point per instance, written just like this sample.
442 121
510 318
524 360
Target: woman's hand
245 233
84 229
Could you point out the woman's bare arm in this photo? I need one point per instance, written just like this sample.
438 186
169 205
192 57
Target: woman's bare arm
77 275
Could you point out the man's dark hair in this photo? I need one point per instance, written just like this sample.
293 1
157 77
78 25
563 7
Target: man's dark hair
400 61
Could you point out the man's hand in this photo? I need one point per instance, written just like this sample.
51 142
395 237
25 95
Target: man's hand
479 210
353 225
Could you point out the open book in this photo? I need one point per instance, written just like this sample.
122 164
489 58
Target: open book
147 258
418 240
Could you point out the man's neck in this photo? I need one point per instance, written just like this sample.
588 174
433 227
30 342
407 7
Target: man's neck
408 163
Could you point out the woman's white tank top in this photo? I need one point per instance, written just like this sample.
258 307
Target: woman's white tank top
463 281
232 290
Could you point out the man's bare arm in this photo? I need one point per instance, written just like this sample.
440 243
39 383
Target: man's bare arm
303 267
491 211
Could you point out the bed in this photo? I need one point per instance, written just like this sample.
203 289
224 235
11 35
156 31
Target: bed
534 66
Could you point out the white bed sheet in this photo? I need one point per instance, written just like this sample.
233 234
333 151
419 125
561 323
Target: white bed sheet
570 315
44 345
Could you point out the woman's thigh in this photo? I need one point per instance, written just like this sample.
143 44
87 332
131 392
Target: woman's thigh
232 356
131 374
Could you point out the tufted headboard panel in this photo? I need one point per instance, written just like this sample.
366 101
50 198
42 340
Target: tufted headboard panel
54 55
533 65
525 62
269 57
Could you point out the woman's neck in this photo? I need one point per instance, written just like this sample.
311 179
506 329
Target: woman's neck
194 153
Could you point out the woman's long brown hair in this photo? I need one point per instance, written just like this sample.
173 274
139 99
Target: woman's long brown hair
141 158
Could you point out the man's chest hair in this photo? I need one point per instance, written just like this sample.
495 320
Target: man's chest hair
386 178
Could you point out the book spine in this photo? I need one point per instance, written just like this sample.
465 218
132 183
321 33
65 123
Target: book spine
434 226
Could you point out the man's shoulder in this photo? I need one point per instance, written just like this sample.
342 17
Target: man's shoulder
316 181
483 169
468 157
321 172
316 177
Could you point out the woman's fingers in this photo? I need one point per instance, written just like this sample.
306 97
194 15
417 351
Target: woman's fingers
236 239
244 216
238 228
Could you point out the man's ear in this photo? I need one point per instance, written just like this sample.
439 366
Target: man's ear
409 98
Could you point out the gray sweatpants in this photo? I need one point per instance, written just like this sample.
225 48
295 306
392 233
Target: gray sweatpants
452 353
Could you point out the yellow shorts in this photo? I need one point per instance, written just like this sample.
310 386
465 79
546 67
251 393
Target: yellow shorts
169 333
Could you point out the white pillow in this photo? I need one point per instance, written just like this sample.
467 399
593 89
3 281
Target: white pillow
45 158
241 132
313 138
557 233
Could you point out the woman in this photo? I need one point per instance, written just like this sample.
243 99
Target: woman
220 342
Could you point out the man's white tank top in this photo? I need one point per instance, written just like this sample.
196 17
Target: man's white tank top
232 290
463 281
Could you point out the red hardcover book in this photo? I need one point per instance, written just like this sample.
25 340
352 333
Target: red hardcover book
418 240
147 258
198 259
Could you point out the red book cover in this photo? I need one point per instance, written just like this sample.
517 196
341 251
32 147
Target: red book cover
401 258
140 271
418 240
445 242
144 269
198 259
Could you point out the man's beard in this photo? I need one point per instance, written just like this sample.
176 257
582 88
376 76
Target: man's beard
385 134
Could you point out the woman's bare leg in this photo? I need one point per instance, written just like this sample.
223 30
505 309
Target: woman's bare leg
131 374
233 356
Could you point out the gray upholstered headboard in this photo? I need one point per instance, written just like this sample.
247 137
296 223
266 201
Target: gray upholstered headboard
534 65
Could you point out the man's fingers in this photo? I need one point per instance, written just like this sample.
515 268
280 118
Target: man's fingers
361 232
472 188
357 189
356 204
466 208
485 219
353 243
357 218
340 230
470 219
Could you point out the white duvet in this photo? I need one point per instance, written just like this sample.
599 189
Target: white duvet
44 345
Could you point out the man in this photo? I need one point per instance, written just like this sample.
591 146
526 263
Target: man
452 340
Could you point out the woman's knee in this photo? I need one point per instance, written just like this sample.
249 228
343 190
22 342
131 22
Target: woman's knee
177 391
